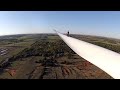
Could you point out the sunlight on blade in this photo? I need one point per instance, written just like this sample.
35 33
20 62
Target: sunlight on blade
105 59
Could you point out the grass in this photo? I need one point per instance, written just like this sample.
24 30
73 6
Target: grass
24 44
15 63
53 37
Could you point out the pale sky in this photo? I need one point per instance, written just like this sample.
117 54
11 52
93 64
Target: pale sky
102 23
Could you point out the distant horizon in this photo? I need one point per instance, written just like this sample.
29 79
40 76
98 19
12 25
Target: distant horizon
97 23
57 35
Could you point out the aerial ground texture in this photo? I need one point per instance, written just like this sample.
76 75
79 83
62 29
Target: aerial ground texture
46 56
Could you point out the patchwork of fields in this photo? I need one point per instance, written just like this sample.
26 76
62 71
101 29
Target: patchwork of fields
46 56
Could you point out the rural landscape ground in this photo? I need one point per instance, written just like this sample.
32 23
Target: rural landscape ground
46 56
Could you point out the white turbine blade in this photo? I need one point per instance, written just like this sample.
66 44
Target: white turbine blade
105 59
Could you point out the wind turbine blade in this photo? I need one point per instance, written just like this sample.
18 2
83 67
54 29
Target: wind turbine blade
105 59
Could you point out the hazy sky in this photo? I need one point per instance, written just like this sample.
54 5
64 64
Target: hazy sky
102 23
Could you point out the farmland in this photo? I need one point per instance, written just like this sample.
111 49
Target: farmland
46 56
